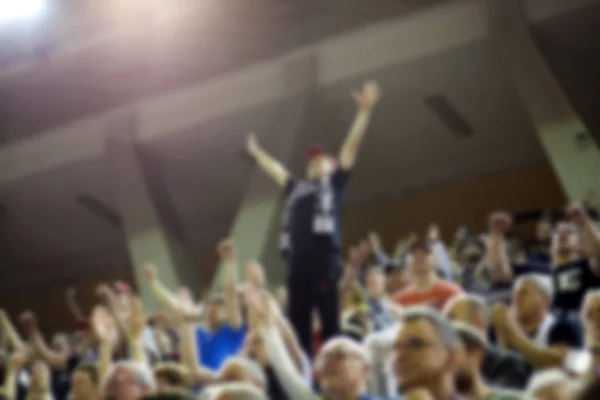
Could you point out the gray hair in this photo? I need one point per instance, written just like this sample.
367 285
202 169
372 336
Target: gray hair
477 304
544 380
143 374
234 391
542 283
440 323
254 369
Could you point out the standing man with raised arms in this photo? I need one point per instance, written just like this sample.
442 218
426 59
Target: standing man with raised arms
311 236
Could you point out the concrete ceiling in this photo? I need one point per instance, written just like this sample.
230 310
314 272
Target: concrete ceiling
92 58
44 231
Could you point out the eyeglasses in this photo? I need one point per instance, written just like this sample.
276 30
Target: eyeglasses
413 344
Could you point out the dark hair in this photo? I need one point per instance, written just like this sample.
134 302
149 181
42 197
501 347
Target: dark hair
90 369
591 391
175 374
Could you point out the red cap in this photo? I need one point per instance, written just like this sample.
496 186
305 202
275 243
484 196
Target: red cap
82 325
122 287
314 151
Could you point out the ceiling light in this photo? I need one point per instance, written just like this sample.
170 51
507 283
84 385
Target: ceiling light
16 9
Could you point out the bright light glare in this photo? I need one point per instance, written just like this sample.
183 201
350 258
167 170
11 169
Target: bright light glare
16 9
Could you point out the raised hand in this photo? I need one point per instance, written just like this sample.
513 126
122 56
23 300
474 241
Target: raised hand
137 320
226 250
104 325
433 233
254 274
150 272
184 306
500 222
18 359
576 213
368 96
252 144
374 241
28 322
359 255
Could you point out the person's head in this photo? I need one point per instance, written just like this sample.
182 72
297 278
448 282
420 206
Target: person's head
343 367
426 348
242 370
470 252
396 278
590 317
375 281
552 384
215 311
171 378
255 348
471 355
565 242
532 296
468 309
420 261
60 343
127 380
543 231
320 164
84 382
233 391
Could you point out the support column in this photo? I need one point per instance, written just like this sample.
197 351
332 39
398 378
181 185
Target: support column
257 225
569 146
148 239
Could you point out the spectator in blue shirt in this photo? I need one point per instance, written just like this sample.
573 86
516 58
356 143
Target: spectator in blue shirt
223 334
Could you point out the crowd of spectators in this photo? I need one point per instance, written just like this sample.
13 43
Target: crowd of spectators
487 316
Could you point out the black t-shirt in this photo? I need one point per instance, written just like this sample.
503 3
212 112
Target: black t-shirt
565 332
571 282
312 220
61 378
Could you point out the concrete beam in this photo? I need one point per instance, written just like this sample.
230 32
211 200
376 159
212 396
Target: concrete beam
560 129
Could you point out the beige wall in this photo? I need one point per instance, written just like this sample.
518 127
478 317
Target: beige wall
469 202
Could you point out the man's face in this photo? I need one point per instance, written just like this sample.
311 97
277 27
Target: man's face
420 262
565 239
83 387
60 343
528 301
555 392
124 385
341 368
215 313
319 167
420 355
375 281
462 311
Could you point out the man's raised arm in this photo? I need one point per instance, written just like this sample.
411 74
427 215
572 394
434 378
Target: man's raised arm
267 163
365 100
